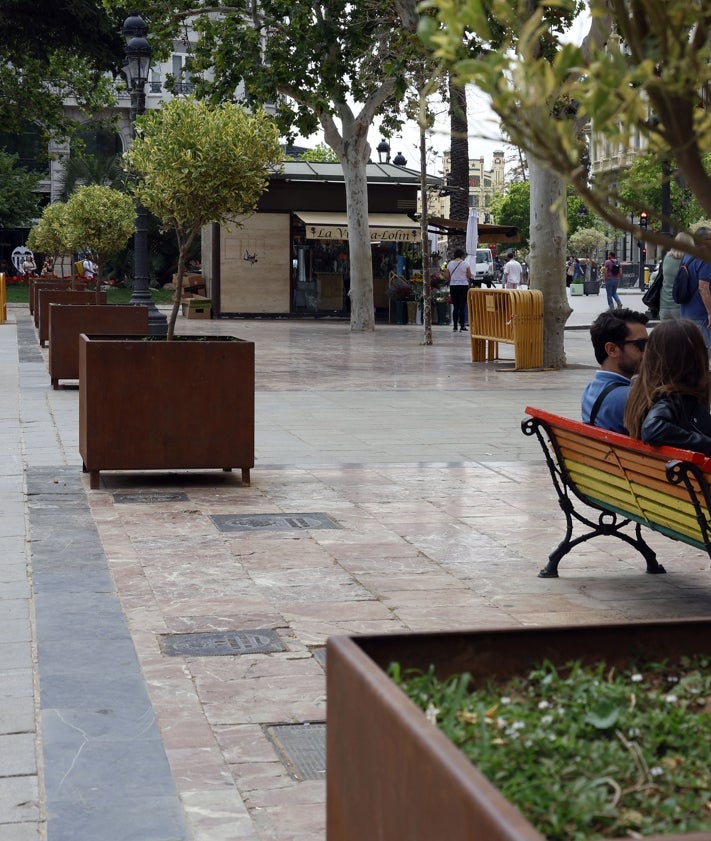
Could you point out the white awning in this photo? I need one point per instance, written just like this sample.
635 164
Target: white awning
382 227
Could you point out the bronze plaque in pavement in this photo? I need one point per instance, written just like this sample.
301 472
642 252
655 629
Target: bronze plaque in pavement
146 498
221 643
272 522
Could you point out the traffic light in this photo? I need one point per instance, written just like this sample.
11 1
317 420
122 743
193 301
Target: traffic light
643 220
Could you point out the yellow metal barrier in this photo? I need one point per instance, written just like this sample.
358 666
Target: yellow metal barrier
511 316
3 299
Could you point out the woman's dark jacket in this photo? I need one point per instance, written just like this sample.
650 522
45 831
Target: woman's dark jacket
678 420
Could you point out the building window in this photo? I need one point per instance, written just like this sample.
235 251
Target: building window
30 148
182 83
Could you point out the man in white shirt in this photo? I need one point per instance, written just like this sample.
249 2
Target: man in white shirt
89 267
513 272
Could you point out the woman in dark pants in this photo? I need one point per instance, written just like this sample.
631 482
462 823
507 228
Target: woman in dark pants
457 275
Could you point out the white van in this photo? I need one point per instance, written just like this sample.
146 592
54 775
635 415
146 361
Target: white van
484 272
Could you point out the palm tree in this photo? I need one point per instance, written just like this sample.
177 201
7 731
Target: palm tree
83 170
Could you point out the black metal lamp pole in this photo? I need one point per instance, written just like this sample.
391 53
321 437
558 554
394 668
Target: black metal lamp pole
138 62
642 248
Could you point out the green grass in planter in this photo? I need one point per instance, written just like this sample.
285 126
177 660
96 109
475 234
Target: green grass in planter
19 293
586 752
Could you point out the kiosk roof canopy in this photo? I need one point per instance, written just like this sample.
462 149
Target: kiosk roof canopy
375 173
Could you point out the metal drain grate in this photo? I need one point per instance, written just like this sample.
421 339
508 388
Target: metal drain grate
301 747
178 496
221 643
272 522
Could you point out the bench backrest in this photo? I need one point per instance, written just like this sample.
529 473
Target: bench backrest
612 471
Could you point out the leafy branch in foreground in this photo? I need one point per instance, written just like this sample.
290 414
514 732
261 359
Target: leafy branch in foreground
642 72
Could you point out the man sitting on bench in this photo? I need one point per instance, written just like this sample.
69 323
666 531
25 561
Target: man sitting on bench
619 338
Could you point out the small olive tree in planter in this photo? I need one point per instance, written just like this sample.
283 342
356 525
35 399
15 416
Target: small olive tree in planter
49 235
94 216
195 164
99 218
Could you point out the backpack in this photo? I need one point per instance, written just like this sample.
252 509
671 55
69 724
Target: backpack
614 268
684 285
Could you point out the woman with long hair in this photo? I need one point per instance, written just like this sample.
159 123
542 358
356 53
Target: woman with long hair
668 308
668 402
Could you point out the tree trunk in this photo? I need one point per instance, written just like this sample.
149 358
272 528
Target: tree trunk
362 311
425 241
547 259
459 161
351 146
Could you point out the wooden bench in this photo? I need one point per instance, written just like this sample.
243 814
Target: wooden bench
626 481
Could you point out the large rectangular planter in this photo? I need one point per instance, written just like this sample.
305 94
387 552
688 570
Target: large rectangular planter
45 297
37 283
159 405
392 775
67 323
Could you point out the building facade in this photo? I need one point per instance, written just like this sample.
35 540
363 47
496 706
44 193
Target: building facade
484 185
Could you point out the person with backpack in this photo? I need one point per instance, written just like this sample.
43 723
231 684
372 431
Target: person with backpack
613 272
698 307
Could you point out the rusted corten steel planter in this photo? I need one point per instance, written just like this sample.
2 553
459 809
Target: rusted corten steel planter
67 323
393 776
158 405
37 283
45 297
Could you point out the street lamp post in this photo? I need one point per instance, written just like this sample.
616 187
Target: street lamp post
643 220
138 62
383 150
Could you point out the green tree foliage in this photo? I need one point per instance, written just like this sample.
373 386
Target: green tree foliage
640 186
330 64
49 235
643 72
18 202
53 49
81 170
320 154
514 208
586 242
195 164
99 219
499 26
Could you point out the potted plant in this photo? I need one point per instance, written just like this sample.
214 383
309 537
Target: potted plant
195 164
95 216
192 164
49 235
100 219
392 774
